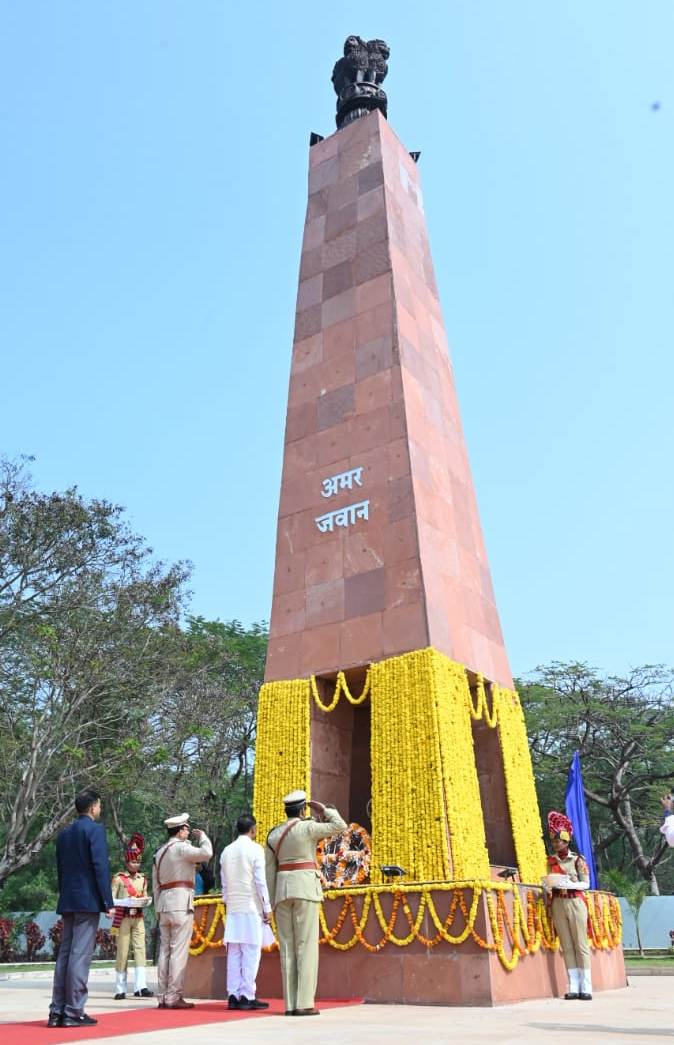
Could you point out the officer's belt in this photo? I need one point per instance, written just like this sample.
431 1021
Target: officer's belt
566 894
177 885
306 866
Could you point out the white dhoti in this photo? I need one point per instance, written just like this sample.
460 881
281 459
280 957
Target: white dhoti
243 938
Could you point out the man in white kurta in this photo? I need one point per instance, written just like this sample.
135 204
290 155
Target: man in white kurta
245 895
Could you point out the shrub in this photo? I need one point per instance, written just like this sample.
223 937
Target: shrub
35 939
105 943
56 935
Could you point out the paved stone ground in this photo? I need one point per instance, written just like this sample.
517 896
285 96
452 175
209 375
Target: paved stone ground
641 1013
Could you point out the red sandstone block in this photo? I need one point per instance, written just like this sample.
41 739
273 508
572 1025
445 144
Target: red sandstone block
299 458
372 230
405 629
301 421
324 150
398 459
374 292
338 221
338 308
308 323
337 279
318 204
307 352
370 430
305 386
323 563
339 371
370 203
320 650
287 614
361 640
373 392
373 356
333 445
314 233
289 574
324 174
401 498
284 660
311 262
339 338
339 249
360 155
310 292
370 177
336 406
397 421
403 583
362 551
370 262
343 191
364 593
325 602
375 322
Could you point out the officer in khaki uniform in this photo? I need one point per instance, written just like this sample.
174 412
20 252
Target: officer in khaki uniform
173 871
296 894
569 910
128 924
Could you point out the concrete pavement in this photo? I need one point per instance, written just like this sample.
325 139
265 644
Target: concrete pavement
640 1013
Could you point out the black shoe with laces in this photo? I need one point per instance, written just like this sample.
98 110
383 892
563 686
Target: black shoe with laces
79 1021
144 992
118 997
233 1002
245 1003
55 1019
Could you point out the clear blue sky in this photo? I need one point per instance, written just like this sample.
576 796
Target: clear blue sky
153 188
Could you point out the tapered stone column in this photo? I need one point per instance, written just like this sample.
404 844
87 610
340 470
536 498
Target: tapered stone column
373 422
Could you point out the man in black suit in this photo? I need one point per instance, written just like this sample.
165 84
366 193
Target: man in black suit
84 891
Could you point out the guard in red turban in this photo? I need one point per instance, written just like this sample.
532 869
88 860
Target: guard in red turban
128 924
569 910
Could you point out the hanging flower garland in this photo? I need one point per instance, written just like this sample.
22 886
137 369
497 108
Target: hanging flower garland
518 919
282 749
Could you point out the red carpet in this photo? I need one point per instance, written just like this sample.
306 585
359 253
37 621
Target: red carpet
136 1021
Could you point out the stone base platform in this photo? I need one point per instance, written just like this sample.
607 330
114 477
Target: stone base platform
416 974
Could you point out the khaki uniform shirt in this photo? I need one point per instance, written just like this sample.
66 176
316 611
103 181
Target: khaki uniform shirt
572 865
299 846
177 865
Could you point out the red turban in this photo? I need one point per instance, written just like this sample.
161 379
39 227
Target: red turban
134 849
560 826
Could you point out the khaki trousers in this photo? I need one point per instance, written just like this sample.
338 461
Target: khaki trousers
175 933
131 933
297 924
570 918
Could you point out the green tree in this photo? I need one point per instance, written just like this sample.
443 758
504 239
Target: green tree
634 893
624 731
88 622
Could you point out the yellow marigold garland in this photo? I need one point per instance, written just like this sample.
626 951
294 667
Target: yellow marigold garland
282 749
511 936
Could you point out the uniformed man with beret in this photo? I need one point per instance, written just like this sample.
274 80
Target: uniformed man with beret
569 910
296 895
173 872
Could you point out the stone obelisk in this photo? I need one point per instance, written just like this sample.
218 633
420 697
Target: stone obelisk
380 548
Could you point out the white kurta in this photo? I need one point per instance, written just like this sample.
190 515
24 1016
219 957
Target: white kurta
244 891
667 829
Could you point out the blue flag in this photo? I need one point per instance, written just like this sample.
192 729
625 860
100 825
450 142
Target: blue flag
576 810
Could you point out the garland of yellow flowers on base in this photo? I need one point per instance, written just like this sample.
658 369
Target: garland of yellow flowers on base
524 929
422 764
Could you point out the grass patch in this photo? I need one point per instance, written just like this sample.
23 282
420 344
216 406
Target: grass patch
6 967
635 962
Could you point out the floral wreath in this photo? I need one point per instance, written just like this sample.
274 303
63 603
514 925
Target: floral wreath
344 859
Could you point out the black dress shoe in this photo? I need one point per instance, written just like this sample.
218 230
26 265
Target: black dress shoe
584 996
79 1021
145 992
118 997
55 1020
571 996
232 1002
246 1003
